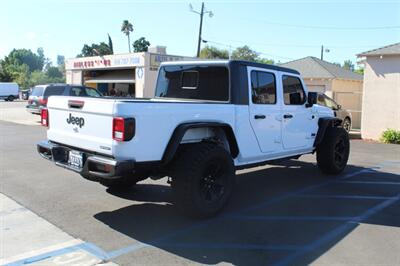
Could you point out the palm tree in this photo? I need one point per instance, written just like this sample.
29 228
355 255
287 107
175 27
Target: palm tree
127 28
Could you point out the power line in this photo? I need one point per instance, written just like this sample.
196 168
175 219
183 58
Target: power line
303 45
396 27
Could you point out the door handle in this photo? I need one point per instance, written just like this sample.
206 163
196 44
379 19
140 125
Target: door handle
259 117
287 116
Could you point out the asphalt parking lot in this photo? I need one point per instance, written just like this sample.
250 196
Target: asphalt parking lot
286 214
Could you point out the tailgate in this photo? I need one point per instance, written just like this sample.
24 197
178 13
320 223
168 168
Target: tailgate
85 123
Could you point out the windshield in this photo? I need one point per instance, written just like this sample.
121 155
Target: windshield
210 83
37 91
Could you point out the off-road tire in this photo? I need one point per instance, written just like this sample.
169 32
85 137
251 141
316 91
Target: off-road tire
203 179
333 151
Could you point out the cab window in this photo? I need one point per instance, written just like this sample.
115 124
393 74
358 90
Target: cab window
263 87
293 91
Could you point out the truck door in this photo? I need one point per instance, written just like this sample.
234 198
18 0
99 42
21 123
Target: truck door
297 124
265 110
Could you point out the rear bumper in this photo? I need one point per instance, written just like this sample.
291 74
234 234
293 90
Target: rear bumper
33 109
95 167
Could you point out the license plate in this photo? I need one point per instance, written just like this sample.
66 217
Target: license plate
75 159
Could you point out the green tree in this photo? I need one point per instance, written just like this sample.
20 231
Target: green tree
4 76
54 72
95 50
360 71
60 60
110 44
141 45
38 78
127 28
348 65
18 57
245 53
211 52
265 61
21 75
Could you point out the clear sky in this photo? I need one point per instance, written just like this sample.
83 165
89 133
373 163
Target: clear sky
281 30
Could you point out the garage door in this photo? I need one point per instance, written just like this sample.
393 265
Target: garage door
316 88
352 102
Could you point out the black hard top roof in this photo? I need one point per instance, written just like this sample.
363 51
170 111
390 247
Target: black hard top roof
231 63
266 66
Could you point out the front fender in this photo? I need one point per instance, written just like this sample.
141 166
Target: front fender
323 124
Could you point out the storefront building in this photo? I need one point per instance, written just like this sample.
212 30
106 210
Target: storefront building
126 75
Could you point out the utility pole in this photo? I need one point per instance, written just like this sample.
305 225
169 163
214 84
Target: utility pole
322 52
201 13
200 29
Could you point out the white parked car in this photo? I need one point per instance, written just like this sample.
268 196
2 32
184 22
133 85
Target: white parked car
207 119
9 91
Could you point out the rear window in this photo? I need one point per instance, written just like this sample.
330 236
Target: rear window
210 83
54 90
37 91
84 91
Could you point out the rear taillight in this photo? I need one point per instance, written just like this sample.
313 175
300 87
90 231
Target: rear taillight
42 101
44 117
123 129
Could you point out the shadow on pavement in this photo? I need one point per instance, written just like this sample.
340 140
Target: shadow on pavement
285 214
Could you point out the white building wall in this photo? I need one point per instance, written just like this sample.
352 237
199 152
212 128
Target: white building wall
381 96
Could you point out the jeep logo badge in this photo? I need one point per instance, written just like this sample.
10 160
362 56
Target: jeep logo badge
79 121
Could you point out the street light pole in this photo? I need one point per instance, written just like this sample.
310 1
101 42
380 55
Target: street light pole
201 13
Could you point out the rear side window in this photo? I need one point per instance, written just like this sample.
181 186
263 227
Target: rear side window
92 92
54 90
194 82
293 92
77 91
263 88
37 91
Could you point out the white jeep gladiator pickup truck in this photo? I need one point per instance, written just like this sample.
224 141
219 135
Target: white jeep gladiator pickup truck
207 119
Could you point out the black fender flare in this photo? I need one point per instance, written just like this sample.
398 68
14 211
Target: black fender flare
323 124
181 129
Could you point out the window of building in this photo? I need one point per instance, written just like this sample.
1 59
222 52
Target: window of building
263 87
293 92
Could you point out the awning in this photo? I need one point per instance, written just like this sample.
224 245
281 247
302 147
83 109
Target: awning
121 76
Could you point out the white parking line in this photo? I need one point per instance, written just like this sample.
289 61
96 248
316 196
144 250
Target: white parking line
25 237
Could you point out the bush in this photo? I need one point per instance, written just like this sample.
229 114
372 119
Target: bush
391 136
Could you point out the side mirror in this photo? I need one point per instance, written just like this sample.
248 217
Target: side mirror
311 99
339 107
